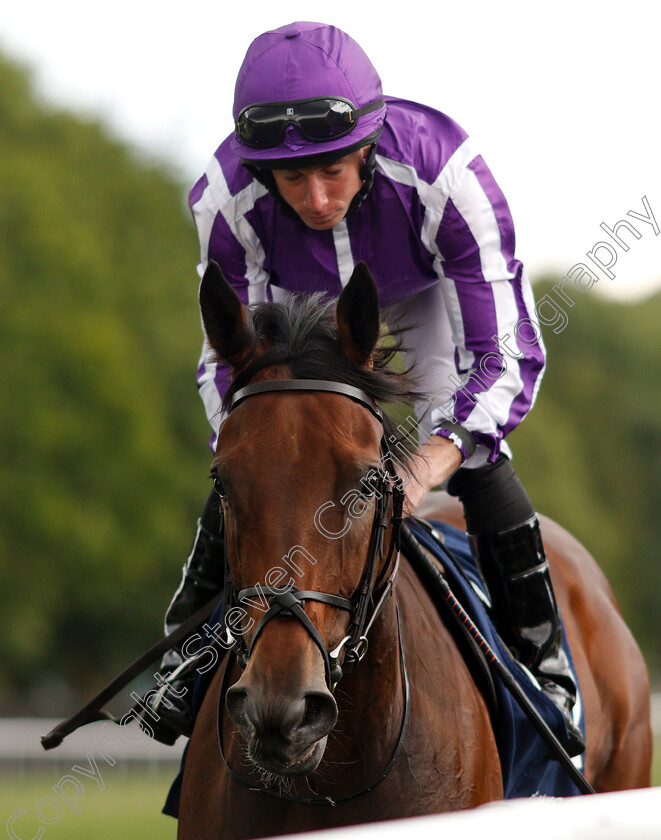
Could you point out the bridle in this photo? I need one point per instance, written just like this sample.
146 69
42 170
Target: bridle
289 601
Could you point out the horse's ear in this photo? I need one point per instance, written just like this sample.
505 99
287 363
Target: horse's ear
357 316
224 318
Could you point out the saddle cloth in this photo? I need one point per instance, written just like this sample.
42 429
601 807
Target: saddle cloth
524 756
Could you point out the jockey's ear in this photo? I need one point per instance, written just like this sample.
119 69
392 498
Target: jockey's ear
224 318
357 316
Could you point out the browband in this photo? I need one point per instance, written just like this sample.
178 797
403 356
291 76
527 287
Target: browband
307 385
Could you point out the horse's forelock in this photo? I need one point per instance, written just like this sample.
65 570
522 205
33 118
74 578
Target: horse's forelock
301 333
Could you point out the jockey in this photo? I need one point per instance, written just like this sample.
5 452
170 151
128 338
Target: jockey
323 171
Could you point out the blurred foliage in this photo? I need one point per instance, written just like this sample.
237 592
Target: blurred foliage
589 454
103 453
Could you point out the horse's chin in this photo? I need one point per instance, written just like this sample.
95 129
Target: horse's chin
289 764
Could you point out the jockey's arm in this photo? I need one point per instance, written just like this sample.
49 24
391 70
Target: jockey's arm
432 464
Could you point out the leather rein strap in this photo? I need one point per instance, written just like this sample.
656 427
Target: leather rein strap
93 710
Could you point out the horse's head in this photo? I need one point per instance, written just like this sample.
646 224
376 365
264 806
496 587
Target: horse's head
305 490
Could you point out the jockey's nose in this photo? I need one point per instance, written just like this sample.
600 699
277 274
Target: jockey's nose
316 197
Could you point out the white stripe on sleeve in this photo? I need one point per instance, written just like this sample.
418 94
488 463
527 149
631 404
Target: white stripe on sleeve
345 263
474 206
217 198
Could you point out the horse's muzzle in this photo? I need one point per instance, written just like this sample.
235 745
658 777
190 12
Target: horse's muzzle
284 734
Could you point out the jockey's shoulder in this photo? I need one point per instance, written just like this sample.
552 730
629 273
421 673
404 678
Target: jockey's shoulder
419 138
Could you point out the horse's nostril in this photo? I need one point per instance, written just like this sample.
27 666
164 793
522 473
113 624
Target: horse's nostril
235 704
282 717
313 708
320 711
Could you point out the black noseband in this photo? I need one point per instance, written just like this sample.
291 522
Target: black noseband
288 602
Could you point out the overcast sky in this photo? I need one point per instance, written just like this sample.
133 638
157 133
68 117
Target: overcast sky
562 98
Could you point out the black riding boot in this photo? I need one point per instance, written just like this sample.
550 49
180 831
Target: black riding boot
201 580
516 571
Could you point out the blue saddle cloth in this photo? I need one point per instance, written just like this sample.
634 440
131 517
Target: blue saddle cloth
524 756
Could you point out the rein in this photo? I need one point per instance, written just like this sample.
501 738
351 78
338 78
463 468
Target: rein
290 601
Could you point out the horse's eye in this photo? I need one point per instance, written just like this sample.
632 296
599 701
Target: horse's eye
370 482
218 485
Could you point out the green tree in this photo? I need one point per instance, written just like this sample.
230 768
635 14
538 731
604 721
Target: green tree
102 447
589 451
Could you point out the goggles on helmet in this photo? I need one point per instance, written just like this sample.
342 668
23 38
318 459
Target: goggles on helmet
263 124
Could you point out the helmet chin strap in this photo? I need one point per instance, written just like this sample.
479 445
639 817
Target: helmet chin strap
367 172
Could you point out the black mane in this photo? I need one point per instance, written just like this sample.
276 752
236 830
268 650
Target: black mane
301 333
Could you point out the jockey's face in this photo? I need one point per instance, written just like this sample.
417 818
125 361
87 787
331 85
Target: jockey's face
321 195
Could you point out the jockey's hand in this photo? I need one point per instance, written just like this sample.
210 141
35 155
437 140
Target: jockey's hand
432 464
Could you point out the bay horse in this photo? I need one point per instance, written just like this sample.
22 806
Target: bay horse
407 731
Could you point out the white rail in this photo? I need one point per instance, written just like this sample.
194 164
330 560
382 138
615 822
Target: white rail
20 740
630 815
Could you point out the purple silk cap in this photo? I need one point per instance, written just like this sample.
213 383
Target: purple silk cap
305 60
